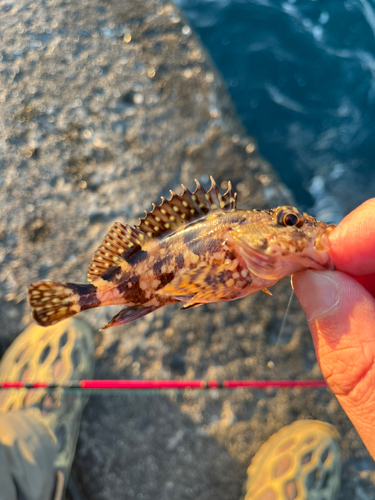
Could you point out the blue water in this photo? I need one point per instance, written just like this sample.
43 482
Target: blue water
302 77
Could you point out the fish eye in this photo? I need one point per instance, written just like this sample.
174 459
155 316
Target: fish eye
290 219
288 216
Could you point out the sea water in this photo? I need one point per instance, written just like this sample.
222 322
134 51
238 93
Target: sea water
302 76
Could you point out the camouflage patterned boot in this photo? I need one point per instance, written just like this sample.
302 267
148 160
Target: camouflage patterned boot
300 462
59 353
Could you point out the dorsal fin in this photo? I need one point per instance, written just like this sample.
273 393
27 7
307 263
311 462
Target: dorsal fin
181 209
121 242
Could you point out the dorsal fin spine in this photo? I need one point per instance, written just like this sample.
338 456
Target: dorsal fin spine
199 196
192 202
230 198
214 193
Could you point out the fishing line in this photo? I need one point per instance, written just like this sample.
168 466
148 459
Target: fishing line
280 339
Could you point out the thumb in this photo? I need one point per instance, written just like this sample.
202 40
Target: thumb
341 317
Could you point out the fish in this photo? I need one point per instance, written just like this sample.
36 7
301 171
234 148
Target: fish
193 249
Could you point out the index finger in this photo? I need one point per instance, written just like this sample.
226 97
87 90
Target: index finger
353 241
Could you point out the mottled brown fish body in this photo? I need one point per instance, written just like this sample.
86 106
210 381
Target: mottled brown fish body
194 249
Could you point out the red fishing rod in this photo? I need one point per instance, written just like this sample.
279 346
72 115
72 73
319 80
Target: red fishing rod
166 384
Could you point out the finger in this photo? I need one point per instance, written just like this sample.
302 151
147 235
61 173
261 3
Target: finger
367 282
341 317
353 241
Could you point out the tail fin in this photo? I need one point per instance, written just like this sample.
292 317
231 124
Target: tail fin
52 302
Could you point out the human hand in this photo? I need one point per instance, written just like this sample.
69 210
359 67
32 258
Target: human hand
340 309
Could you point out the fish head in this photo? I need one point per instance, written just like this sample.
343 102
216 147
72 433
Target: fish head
276 243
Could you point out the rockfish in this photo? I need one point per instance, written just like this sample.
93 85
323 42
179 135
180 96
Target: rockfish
193 249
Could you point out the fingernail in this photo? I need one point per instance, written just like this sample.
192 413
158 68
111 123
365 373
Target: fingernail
317 293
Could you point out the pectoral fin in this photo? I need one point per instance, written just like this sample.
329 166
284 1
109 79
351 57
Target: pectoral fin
205 284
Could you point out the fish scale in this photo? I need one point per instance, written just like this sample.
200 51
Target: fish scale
194 248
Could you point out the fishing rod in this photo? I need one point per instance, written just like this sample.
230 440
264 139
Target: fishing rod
166 384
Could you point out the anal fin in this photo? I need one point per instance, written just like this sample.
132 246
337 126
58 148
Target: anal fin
128 314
